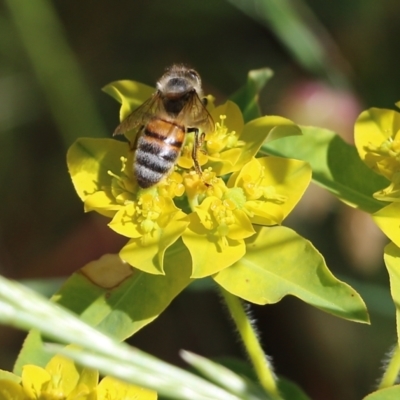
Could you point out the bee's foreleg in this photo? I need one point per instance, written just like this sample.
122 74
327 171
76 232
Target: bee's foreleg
202 139
198 141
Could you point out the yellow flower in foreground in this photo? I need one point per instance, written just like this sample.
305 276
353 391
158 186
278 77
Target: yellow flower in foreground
377 138
62 379
211 214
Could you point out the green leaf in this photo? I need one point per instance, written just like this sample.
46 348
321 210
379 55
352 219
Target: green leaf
245 371
279 262
118 299
224 377
142 369
290 390
392 262
247 96
391 393
336 166
24 309
299 30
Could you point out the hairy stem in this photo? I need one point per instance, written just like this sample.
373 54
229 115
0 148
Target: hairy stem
392 369
249 338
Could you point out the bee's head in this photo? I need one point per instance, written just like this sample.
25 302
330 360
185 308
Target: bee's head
179 80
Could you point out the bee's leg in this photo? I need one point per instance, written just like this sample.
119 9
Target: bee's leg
201 142
196 144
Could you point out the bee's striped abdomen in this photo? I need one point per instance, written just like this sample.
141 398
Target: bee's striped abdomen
157 149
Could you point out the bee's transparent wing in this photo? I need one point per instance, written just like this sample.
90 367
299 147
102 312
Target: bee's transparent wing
141 115
195 114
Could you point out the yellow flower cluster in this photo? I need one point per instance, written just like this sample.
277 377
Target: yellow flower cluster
62 379
212 215
377 138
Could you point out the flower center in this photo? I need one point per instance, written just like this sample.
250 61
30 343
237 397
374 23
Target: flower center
221 138
148 210
122 186
256 189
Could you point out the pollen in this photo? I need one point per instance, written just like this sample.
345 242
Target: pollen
122 187
222 138
386 156
236 196
222 211
148 211
255 189
172 186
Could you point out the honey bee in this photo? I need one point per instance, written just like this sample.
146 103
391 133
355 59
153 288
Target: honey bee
162 122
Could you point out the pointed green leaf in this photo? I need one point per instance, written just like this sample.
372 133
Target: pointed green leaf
247 96
279 262
135 366
224 377
391 393
242 369
336 166
116 298
290 390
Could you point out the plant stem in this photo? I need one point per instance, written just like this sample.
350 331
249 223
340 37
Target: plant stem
392 370
249 337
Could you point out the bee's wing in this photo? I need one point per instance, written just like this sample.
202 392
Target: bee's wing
195 114
141 115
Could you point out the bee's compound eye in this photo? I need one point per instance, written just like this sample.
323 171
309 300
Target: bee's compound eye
194 74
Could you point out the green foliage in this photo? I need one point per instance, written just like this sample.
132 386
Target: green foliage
226 225
391 393
278 263
336 166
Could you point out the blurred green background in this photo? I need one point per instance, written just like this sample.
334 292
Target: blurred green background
330 59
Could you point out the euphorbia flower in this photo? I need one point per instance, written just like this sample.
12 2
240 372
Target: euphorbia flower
62 379
377 138
211 212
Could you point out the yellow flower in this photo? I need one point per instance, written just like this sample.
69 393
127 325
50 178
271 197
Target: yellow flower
377 138
153 223
272 187
62 379
212 212
215 235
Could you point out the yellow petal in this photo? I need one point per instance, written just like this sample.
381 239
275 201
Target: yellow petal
33 379
64 373
130 94
10 390
209 252
114 389
388 220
